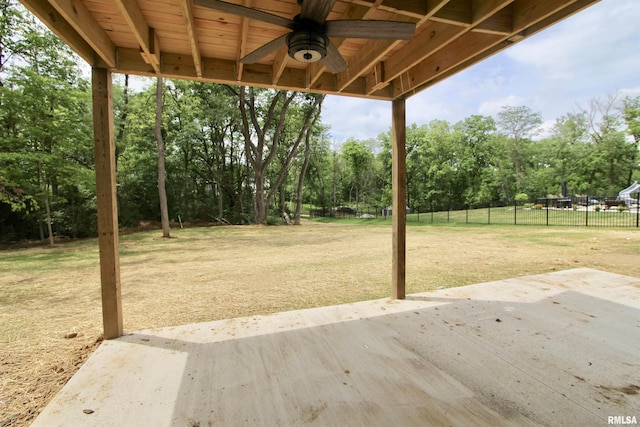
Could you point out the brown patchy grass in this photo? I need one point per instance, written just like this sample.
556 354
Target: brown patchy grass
48 295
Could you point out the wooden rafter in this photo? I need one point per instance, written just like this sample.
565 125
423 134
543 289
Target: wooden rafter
242 43
189 22
83 22
413 8
436 35
374 50
354 12
145 36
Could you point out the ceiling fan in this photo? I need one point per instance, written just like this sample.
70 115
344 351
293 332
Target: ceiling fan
308 40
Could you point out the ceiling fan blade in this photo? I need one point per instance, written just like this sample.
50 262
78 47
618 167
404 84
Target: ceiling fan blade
246 12
334 62
265 50
370 29
316 10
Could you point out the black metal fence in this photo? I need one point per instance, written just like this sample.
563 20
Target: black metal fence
577 211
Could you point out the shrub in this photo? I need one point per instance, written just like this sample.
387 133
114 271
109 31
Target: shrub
538 206
521 197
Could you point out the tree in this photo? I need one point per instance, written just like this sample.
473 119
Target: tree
359 160
264 114
519 124
307 159
162 190
46 148
13 26
473 137
631 111
611 157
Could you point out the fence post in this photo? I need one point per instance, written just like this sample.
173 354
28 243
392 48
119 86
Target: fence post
586 217
448 213
637 210
515 212
547 211
467 216
489 213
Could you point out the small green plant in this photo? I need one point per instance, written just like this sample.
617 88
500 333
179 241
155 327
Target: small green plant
598 208
274 220
622 208
521 197
528 205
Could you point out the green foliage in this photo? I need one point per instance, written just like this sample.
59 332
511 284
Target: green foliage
46 151
521 197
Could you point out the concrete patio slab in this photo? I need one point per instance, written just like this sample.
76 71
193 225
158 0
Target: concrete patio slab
553 349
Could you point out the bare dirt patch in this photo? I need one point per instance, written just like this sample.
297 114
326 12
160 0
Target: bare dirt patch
50 309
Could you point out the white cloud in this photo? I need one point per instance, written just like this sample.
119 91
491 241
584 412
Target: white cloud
492 107
599 43
355 117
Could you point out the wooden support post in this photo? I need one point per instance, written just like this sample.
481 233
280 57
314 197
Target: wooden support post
104 149
399 188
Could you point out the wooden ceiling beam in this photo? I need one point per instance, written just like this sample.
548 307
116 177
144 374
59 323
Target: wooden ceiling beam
224 71
315 70
458 51
366 58
189 21
374 50
499 23
436 35
572 8
455 12
416 9
46 13
529 12
83 22
279 64
242 43
143 34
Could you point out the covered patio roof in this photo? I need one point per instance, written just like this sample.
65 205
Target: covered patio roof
185 39
208 40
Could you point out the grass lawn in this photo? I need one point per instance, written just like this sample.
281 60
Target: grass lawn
50 308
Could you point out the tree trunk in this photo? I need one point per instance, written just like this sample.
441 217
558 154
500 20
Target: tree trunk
260 201
162 191
48 211
305 166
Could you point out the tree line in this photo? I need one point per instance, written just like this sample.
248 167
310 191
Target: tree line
201 152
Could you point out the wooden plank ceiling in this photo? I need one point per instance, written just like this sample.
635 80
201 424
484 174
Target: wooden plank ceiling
179 39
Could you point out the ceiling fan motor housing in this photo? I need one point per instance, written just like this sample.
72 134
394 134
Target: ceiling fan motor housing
307 46
307 42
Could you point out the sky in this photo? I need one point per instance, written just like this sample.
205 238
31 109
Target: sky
591 55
